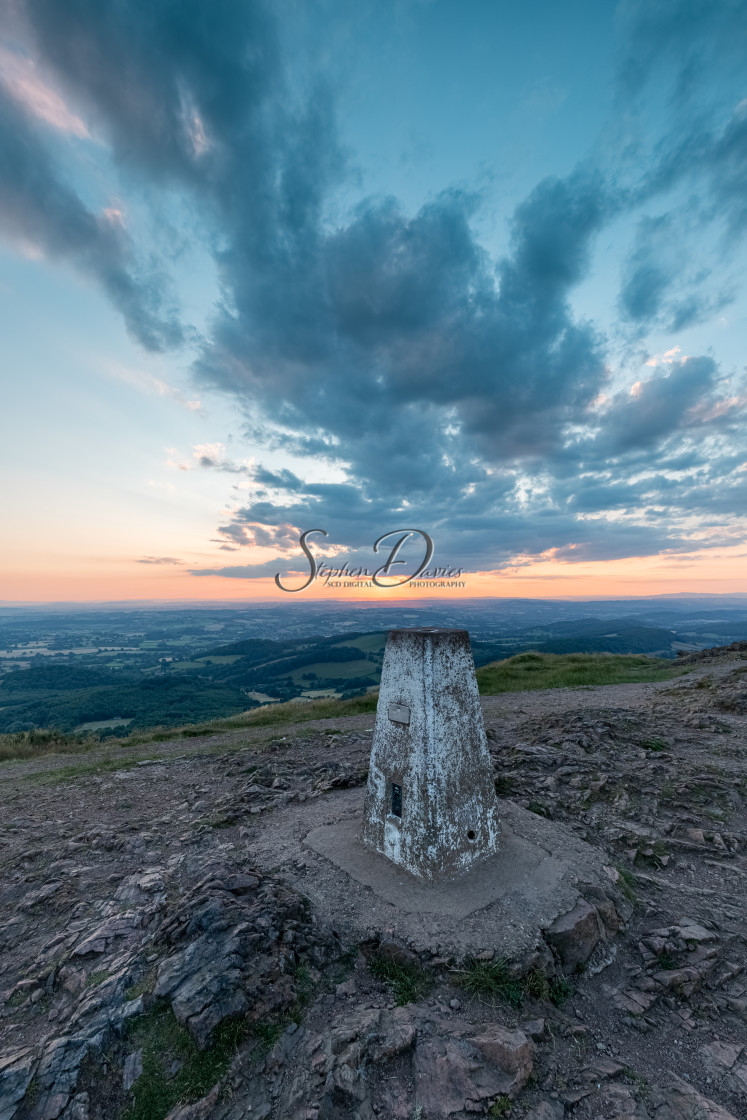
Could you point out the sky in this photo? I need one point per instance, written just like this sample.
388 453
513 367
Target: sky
475 269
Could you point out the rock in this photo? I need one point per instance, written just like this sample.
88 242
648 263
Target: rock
683 980
605 907
723 1054
535 1029
133 1067
200 1110
511 1051
683 1102
152 881
691 931
457 1075
396 1035
232 952
78 1109
40 894
392 950
102 937
16 1071
243 883
57 1076
612 1100
575 935
546 1110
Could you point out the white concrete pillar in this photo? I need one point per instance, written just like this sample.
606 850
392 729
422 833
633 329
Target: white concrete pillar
430 803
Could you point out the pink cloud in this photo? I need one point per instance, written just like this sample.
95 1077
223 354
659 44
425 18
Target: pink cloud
18 75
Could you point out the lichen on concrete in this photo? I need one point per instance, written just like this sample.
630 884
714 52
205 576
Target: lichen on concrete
430 804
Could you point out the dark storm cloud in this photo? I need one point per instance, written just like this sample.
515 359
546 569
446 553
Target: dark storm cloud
457 392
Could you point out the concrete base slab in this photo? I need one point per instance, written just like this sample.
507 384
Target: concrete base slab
518 877
502 904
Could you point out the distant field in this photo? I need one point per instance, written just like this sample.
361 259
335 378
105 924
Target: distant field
522 672
369 643
571 670
99 724
340 670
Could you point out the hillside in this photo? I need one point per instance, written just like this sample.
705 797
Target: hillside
167 939
88 671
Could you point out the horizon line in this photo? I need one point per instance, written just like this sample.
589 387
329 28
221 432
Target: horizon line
9 604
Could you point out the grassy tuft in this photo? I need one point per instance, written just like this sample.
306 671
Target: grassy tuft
528 671
270 715
267 1034
147 984
536 983
654 745
560 990
626 883
97 978
408 982
491 980
162 1040
500 1107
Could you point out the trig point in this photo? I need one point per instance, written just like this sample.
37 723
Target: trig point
430 803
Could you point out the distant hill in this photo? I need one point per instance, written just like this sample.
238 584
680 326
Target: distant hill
169 668
616 636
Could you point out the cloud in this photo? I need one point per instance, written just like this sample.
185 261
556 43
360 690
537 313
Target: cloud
37 207
159 560
19 76
147 383
452 390
654 409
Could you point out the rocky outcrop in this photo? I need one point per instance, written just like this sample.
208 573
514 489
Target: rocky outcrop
231 945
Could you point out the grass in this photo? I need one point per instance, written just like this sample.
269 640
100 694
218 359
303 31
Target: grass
266 1035
30 744
97 978
626 883
524 671
500 1107
529 671
408 982
145 985
33 744
162 1040
105 765
539 809
653 854
504 787
493 980
560 990
654 745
